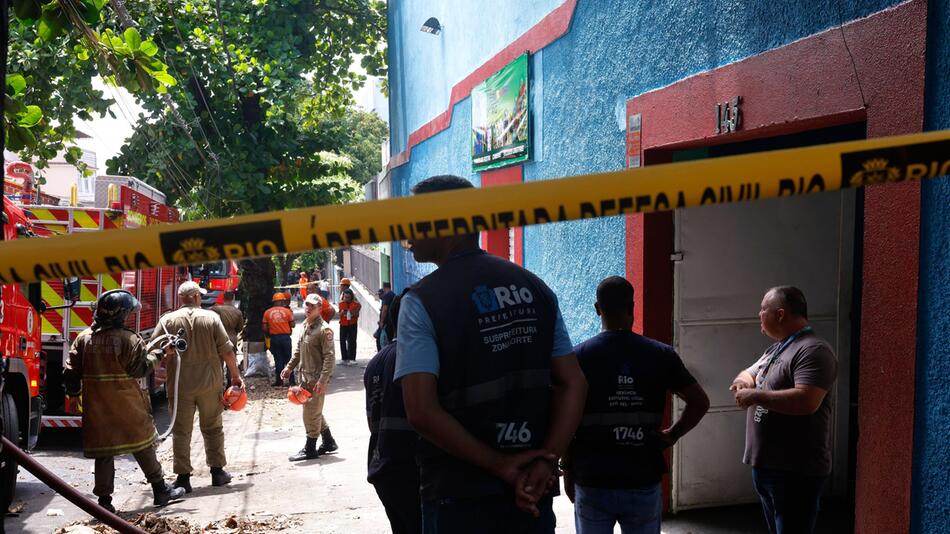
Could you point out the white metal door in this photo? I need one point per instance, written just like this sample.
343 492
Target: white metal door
731 254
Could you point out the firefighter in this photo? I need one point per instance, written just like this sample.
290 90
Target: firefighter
231 317
314 360
103 365
199 383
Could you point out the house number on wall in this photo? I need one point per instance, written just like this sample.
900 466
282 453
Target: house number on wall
729 116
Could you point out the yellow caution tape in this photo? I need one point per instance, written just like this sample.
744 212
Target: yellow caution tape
654 188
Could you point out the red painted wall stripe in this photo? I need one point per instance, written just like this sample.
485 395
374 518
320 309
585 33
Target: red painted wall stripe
496 241
546 31
811 84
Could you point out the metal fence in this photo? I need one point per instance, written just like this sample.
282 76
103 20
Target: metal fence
364 266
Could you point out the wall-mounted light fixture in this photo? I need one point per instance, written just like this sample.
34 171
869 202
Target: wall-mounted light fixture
432 26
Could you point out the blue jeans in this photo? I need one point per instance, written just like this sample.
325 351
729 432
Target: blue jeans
494 515
638 510
789 500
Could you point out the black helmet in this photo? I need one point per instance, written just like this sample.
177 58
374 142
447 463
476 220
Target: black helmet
113 308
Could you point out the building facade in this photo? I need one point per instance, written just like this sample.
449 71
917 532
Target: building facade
614 84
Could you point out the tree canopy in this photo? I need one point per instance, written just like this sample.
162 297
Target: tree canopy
55 50
262 85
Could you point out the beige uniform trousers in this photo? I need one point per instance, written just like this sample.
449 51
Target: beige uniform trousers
209 408
105 471
313 421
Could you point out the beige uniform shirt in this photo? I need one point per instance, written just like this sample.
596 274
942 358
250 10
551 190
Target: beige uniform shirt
314 354
232 318
208 343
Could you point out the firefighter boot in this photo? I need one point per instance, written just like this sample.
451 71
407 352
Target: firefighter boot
219 477
106 502
183 482
308 452
327 444
165 492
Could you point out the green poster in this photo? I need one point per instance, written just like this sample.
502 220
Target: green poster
500 117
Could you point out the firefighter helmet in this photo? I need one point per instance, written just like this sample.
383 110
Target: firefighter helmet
234 398
280 296
298 395
113 308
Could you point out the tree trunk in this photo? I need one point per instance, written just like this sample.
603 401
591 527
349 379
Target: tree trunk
257 286
285 261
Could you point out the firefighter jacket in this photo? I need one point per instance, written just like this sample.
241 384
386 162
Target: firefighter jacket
314 355
117 412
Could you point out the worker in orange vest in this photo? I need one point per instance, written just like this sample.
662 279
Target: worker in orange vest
349 318
278 323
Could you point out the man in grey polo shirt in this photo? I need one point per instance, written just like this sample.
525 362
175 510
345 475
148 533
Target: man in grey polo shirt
788 420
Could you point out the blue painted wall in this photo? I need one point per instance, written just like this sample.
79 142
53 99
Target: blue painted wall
931 490
424 67
615 50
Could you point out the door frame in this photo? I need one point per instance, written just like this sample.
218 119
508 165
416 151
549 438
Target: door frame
872 70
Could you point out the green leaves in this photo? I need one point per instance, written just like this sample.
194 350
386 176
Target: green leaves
133 39
27 10
29 117
16 84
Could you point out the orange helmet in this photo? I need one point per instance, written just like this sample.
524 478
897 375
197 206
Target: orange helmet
280 296
344 281
298 395
234 399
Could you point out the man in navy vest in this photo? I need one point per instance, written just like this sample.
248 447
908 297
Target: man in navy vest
391 463
490 380
615 464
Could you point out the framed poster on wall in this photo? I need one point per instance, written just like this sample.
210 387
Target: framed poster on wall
500 117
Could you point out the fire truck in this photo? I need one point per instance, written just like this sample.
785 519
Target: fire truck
156 289
216 278
21 404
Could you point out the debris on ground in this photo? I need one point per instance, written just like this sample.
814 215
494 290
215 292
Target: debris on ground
260 388
16 508
253 524
54 512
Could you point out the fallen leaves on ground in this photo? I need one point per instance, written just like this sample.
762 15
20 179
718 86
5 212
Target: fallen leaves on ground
156 524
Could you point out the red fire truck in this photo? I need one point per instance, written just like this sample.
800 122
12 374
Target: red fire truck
21 405
216 277
154 288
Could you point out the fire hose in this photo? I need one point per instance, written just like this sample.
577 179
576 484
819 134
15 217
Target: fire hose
178 341
64 489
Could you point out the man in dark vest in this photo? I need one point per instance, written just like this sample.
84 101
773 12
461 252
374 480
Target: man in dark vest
613 470
391 463
490 380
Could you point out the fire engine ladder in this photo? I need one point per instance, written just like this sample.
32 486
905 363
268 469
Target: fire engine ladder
70 421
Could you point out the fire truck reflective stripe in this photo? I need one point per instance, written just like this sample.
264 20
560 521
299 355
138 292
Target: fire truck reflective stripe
743 178
86 294
52 319
41 215
109 282
66 421
48 328
83 220
80 318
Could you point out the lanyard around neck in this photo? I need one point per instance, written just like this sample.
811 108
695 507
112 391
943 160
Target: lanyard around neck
760 376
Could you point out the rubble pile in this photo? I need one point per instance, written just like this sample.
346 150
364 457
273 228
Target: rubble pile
155 524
